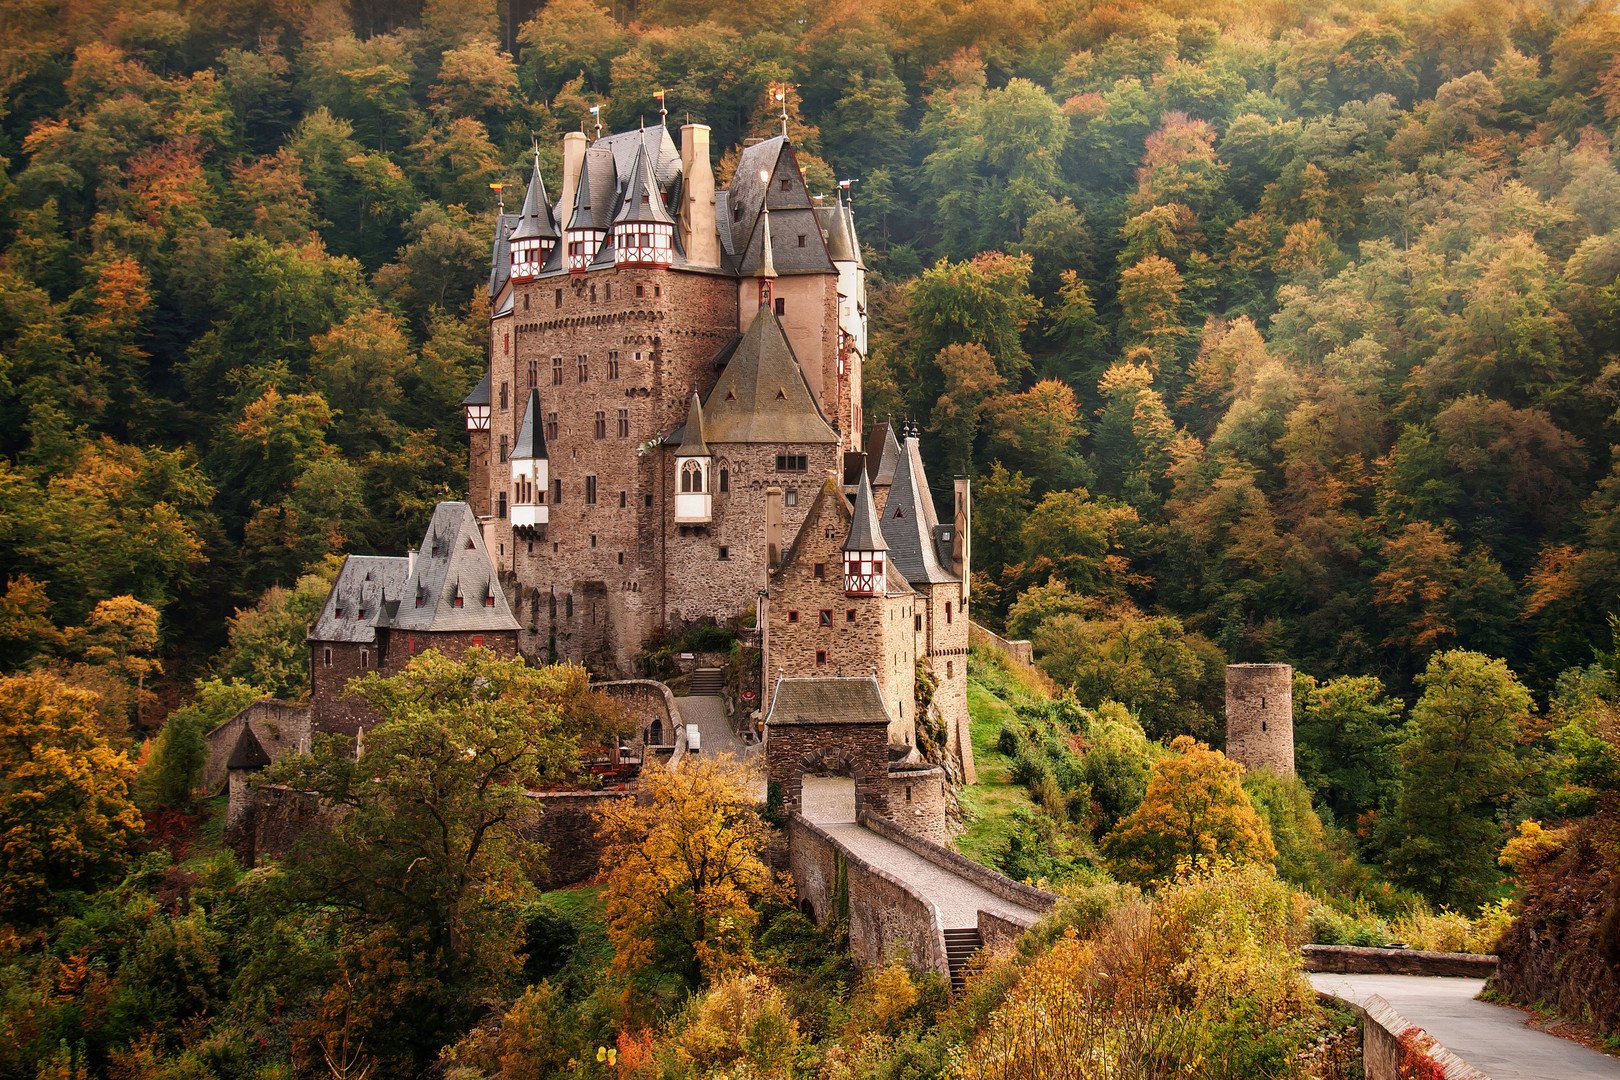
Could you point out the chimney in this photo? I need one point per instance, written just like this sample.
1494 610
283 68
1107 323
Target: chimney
697 198
773 527
410 565
573 159
961 540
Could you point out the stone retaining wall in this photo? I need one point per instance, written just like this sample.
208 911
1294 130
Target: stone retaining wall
997 932
646 700
1394 1048
886 916
1353 960
1014 892
567 825
1021 651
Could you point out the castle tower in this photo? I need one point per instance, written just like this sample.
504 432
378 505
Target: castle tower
1260 716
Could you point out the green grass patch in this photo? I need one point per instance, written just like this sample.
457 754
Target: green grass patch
988 806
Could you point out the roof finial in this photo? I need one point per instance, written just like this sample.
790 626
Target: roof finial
596 111
781 91
663 109
500 199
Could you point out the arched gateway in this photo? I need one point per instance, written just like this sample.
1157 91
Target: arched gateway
835 726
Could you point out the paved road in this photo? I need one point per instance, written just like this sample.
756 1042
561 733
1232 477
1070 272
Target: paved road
959 900
709 714
1492 1038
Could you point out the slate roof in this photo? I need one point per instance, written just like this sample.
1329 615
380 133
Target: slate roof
500 256
452 561
692 441
624 146
479 394
364 584
840 248
792 213
881 465
845 700
248 753
865 534
909 521
592 209
531 437
534 220
762 396
643 200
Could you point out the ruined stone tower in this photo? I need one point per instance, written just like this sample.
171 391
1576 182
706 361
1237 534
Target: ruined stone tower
1260 716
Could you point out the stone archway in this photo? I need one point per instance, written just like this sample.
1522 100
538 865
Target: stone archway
829 786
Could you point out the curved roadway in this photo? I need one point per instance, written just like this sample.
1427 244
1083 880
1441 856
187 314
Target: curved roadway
1495 1039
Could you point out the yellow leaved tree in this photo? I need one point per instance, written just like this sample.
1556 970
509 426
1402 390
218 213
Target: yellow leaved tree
66 818
685 870
1196 812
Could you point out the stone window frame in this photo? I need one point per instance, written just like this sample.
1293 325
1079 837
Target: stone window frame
559 298
534 374
601 423
821 657
725 553
326 657
584 362
556 371
624 423
826 617
820 571
793 618
947 613
780 305
551 427
505 449
504 392
849 615
590 491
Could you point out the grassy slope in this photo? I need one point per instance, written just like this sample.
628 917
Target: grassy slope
988 806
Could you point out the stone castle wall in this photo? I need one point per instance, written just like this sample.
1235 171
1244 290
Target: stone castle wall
1260 716
567 826
280 727
857 750
917 802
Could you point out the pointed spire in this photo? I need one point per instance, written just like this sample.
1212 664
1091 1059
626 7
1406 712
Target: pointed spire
692 443
534 221
642 199
864 531
531 438
583 218
767 262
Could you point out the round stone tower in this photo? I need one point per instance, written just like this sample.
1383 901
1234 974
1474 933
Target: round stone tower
1260 716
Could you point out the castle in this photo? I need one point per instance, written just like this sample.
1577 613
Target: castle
671 430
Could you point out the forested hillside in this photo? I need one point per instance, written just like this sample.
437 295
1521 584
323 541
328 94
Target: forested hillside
1292 322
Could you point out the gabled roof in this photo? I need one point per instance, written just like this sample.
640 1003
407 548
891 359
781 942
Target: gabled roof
880 466
909 520
692 441
534 221
856 700
792 213
248 753
865 534
762 396
663 154
452 561
358 596
643 201
479 395
531 439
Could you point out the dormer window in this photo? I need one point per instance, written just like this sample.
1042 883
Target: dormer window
863 573
489 599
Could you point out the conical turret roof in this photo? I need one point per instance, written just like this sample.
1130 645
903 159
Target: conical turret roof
692 445
642 199
839 248
534 220
583 217
864 532
531 439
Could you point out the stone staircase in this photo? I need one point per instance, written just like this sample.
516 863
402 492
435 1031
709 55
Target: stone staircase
707 681
960 945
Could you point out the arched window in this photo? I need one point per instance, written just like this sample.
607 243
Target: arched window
692 477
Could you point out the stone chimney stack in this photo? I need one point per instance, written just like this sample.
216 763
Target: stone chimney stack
962 534
697 198
773 527
574 144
